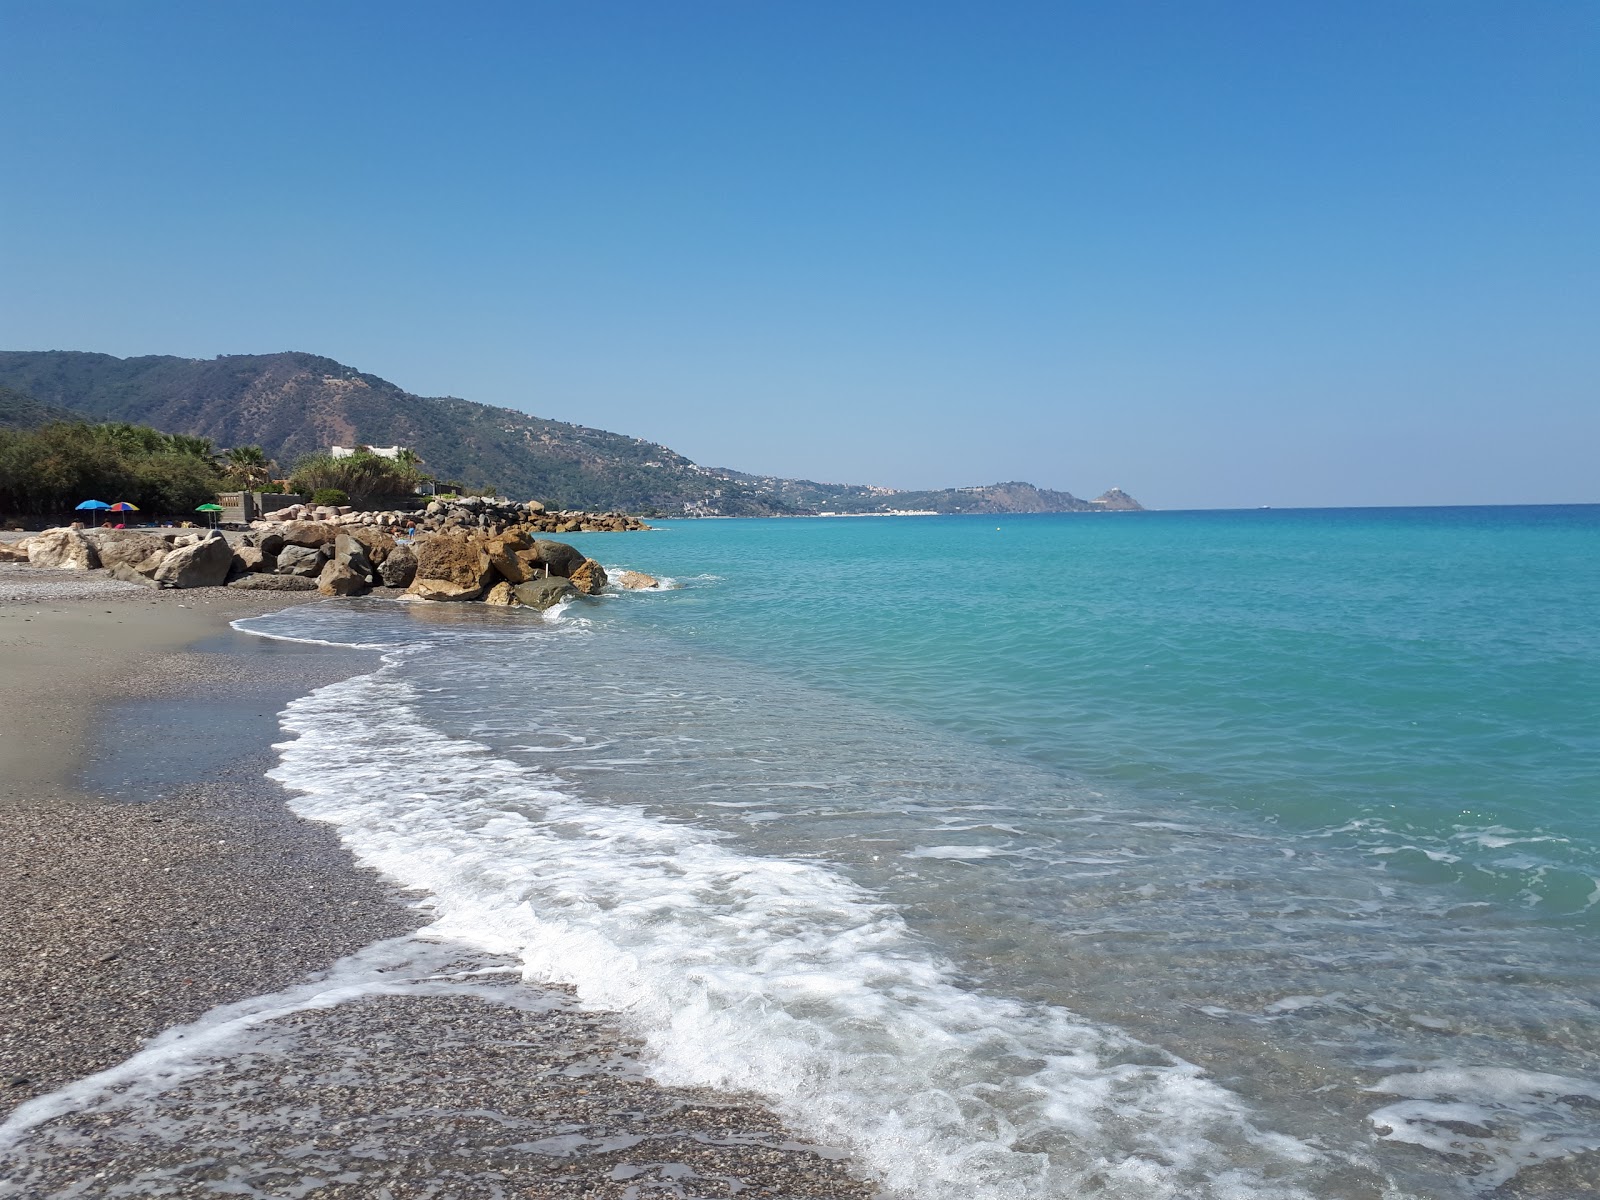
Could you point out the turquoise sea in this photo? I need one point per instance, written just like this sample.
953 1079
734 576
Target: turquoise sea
1207 854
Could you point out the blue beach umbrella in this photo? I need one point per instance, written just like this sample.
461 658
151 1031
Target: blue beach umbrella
92 504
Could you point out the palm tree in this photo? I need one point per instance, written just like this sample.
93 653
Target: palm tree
249 464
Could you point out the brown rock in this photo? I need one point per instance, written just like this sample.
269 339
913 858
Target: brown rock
341 579
308 533
14 551
500 594
636 581
252 558
505 553
442 589
127 546
589 577
455 558
379 543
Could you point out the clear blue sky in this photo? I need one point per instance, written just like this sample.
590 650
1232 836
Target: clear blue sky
1214 253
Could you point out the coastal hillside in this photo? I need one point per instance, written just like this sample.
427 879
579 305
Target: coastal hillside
18 410
1013 497
294 404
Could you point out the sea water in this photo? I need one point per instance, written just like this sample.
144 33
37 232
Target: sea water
1238 854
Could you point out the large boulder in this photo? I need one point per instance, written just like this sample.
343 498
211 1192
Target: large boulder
442 589
379 544
500 594
341 579
14 552
142 573
203 564
544 593
507 556
636 581
270 542
455 558
558 557
589 577
352 556
274 583
247 559
67 549
127 546
398 568
305 561
308 533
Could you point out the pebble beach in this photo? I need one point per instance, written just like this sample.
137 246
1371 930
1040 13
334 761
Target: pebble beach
171 1013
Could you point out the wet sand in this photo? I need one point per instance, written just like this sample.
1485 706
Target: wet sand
152 874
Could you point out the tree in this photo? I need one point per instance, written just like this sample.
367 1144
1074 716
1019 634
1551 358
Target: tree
249 467
364 476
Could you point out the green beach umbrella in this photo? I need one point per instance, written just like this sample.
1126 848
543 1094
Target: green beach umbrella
213 509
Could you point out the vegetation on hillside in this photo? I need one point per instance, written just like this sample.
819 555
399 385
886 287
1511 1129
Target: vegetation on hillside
18 410
48 471
294 406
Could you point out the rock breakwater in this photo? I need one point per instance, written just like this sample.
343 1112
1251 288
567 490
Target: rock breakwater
472 549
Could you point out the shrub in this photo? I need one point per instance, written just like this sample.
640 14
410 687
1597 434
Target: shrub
329 496
363 476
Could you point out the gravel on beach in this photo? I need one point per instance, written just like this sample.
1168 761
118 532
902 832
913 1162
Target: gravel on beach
199 888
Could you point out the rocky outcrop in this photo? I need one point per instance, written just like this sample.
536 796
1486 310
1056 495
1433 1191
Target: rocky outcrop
589 577
637 581
510 556
64 549
500 594
248 559
352 555
300 560
442 589
308 533
204 563
137 574
14 552
543 593
557 558
488 514
340 579
398 568
378 543
274 583
127 546
461 561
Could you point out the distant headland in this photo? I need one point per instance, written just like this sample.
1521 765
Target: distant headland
294 405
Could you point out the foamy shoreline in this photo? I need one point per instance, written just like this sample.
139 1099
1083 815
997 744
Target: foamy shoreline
213 900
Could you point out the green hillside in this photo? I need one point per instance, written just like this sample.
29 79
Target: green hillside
294 405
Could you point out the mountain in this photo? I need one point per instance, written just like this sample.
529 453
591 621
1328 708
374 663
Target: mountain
295 404
18 410
811 496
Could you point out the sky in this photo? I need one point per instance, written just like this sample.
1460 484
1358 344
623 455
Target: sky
1215 253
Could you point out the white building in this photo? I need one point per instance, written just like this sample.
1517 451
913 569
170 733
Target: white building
392 453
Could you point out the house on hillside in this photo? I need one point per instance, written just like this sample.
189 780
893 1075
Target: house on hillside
392 453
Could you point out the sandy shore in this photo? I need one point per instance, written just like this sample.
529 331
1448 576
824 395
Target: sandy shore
153 875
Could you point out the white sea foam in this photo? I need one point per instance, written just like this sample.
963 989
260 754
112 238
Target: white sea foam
776 976
1494 1120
